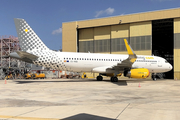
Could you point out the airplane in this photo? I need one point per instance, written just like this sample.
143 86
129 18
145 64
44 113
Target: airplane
33 50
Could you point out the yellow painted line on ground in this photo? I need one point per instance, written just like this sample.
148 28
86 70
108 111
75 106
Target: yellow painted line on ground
26 118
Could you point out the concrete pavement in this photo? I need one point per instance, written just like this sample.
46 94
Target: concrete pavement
88 99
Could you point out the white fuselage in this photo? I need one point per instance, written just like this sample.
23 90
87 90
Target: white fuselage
88 62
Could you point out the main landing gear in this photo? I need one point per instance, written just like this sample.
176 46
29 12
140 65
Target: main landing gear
114 79
99 78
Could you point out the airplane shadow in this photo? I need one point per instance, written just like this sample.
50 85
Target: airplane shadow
58 80
119 83
84 116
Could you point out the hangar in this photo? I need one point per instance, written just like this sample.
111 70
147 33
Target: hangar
149 33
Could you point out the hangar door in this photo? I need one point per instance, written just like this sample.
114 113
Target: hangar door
105 39
94 40
163 42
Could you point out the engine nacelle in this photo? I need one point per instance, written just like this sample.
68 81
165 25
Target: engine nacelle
137 73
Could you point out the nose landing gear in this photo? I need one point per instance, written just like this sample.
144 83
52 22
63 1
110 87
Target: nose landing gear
153 76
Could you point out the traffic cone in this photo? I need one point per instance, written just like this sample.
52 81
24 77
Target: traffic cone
5 82
139 85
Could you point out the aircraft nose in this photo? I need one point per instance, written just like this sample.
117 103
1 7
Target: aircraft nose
170 67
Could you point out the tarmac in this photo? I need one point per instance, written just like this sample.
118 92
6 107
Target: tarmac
88 99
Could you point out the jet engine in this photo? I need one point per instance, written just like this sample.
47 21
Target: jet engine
137 73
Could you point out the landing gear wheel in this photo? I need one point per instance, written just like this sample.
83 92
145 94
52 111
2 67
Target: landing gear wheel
99 78
114 79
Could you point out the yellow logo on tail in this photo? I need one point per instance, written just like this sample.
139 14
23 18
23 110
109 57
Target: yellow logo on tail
26 30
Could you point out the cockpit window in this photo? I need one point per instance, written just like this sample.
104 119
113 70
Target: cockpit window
166 61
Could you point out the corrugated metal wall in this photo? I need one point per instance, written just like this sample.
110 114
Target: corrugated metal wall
141 37
86 40
102 37
118 34
110 39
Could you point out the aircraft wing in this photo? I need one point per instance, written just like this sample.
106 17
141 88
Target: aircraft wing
22 55
123 65
127 63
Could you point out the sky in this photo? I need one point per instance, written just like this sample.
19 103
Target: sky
46 16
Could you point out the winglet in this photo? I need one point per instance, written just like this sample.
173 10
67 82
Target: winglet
128 47
132 55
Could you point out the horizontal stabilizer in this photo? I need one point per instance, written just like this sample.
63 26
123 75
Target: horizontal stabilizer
24 56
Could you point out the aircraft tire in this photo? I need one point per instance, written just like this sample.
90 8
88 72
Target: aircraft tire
99 78
114 79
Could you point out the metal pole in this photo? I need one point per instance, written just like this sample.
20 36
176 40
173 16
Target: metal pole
9 50
1 60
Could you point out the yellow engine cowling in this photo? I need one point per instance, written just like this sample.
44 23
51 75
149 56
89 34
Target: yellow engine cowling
137 73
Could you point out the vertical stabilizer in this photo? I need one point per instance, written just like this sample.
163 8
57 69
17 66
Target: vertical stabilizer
27 37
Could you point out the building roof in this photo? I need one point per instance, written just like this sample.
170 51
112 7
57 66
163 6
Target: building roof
129 18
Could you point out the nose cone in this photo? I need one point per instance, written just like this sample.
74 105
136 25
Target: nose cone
170 67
